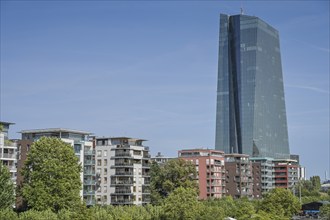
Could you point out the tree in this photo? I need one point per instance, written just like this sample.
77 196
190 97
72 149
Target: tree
316 183
280 202
325 211
182 204
165 179
7 197
51 176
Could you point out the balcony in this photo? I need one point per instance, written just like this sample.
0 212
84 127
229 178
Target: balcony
123 154
90 202
90 192
146 165
122 182
123 165
89 172
89 182
89 162
8 156
123 173
89 152
145 175
122 191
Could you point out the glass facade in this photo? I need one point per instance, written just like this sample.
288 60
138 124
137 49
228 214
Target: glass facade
251 116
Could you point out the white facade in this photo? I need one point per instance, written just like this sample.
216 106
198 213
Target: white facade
8 152
83 149
122 171
267 173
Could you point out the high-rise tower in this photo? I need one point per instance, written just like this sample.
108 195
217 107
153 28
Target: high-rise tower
251 117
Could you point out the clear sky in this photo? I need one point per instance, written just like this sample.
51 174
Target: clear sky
149 70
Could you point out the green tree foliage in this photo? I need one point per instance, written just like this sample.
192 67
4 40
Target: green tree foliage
280 203
244 209
8 214
51 176
182 204
165 179
316 183
6 188
325 211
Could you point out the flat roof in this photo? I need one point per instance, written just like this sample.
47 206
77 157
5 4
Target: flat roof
237 155
122 138
201 149
6 123
285 160
48 130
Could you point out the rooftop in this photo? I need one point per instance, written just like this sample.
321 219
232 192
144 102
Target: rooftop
121 138
49 130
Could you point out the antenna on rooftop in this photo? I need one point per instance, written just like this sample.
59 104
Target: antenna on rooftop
242 11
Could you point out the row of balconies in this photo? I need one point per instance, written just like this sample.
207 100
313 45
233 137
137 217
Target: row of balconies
8 155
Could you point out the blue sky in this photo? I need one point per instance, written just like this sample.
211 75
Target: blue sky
149 70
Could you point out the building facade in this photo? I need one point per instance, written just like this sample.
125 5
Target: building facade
160 159
251 115
239 179
83 148
8 151
210 167
267 173
122 170
286 173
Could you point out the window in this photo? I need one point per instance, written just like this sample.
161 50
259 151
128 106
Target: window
105 153
105 171
105 162
105 180
99 163
99 153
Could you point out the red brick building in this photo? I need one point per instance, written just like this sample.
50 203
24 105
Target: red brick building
239 181
210 171
286 173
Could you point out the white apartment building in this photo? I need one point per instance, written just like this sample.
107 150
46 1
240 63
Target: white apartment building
267 172
122 171
83 148
8 151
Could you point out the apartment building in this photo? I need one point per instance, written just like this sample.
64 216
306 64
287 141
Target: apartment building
8 151
122 170
239 181
83 148
267 172
256 180
210 168
160 159
286 173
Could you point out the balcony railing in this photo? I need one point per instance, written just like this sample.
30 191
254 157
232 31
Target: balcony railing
8 155
89 172
91 192
121 182
89 152
89 182
124 164
122 191
90 202
124 173
89 162
123 154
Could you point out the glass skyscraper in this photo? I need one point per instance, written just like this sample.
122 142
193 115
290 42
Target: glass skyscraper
251 116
